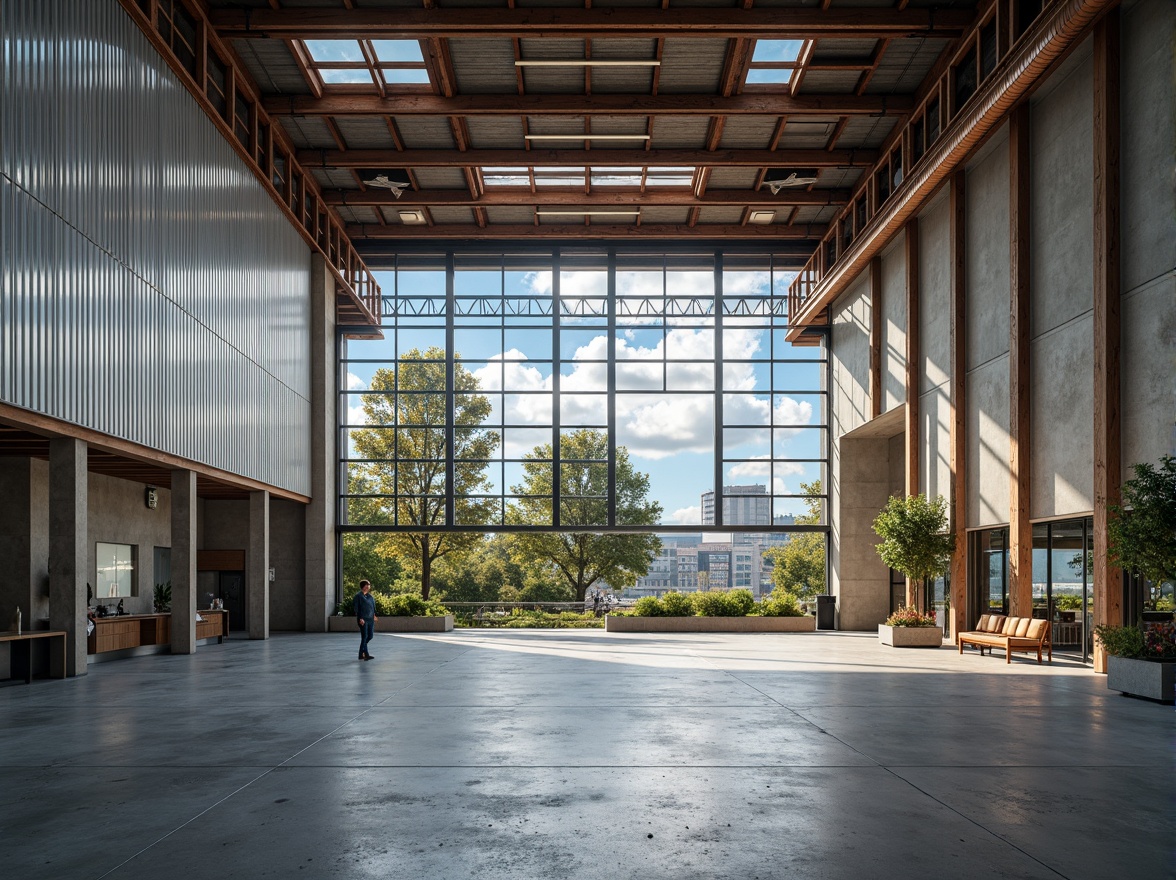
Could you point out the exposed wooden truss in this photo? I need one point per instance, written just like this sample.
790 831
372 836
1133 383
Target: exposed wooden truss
605 197
769 233
580 158
401 104
421 24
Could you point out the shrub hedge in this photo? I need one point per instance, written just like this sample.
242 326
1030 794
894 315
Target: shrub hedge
733 603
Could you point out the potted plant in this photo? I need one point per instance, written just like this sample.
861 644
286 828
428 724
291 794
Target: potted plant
915 542
910 628
1141 661
162 596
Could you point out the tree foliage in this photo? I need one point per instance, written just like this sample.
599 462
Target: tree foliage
799 565
914 539
405 445
1142 530
583 559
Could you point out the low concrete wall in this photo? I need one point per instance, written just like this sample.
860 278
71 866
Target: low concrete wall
346 623
612 623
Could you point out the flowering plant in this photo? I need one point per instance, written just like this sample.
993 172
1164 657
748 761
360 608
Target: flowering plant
1155 642
911 617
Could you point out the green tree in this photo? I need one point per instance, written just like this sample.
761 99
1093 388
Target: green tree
584 558
799 565
915 540
1142 531
405 449
479 576
363 559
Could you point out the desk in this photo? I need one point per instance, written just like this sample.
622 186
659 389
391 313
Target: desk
27 638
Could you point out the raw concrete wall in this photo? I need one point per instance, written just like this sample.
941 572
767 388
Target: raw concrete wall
862 581
1148 204
894 322
986 276
1061 362
849 403
935 347
226 527
288 560
24 540
118 514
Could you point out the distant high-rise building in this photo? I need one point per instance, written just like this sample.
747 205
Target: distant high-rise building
742 506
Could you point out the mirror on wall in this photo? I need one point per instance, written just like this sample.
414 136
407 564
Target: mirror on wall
115 571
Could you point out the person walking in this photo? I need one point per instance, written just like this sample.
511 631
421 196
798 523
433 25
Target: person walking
365 615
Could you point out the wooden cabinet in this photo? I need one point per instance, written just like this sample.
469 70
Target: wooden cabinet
133 630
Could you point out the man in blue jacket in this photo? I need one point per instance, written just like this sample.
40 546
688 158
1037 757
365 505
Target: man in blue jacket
365 615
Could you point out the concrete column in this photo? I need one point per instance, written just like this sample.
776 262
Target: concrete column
258 575
863 587
320 514
18 588
69 558
183 561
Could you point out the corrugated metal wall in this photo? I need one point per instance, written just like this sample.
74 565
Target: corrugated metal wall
151 290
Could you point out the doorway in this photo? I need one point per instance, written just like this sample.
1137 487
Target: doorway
231 590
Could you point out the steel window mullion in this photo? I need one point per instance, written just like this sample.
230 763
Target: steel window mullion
612 387
557 367
718 406
450 395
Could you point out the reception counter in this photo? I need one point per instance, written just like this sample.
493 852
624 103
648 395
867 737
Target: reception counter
127 631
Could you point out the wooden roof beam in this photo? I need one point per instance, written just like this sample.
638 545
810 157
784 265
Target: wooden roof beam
419 24
606 158
774 232
757 104
653 197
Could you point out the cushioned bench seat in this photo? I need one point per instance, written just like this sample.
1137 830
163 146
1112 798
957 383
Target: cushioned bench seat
1022 634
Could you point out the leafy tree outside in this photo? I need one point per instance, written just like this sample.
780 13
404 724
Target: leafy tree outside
1142 530
915 540
799 565
405 447
584 559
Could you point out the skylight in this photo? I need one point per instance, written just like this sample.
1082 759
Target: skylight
774 61
368 62
634 177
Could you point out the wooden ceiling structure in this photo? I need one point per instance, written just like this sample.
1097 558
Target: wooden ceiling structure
812 127
583 103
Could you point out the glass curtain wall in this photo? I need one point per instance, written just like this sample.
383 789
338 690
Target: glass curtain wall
535 391
1063 593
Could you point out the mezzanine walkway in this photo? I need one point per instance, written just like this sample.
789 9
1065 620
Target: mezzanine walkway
580 754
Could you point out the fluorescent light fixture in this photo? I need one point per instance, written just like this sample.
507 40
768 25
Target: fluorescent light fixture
587 62
412 217
586 137
568 212
762 217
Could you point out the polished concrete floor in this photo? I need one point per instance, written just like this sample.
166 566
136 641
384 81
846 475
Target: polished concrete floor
581 754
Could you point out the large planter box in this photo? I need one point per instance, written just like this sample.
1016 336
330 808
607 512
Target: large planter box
346 623
910 636
1142 678
612 623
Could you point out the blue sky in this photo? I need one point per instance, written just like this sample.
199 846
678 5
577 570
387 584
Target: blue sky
665 380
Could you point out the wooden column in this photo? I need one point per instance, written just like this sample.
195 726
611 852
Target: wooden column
1020 529
911 376
959 387
1108 593
875 337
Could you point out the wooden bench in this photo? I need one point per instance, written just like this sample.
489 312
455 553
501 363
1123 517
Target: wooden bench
1010 633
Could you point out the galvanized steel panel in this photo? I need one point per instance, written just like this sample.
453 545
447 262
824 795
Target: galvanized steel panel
365 134
749 132
151 289
490 132
483 66
426 133
692 66
683 132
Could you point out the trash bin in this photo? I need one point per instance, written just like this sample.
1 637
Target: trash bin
826 608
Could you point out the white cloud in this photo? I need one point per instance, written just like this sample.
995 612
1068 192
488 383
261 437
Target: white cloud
687 516
354 383
761 467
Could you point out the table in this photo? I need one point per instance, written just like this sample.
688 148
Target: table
27 638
